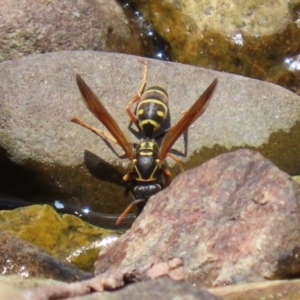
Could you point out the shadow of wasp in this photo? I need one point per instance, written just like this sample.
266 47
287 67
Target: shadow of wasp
149 173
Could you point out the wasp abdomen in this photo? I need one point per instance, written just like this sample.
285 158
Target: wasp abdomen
146 190
152 109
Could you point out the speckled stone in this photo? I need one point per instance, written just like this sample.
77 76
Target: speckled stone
234 219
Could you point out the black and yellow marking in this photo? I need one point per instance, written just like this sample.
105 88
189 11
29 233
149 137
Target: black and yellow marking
146 165
152 110
149 174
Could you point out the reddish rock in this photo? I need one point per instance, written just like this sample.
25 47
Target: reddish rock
158 288
234 219
162 288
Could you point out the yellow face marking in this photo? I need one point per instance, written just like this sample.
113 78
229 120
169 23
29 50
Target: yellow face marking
160 113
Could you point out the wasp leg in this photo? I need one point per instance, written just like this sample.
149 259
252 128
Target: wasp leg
167 175
128 209
125 212
129 176
177 160
99 132
137 97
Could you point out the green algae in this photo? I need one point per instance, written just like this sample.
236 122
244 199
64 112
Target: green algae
66 237
260 56
282 149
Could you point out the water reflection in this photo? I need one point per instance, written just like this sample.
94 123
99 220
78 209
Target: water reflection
293 63
93 217
160 46
85 213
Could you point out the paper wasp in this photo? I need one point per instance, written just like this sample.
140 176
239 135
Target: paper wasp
149 173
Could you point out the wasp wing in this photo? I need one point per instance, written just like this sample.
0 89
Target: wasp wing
102 114
190 116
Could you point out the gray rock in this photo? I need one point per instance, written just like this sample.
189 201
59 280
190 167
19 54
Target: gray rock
39 96
163 288
57 25
234 219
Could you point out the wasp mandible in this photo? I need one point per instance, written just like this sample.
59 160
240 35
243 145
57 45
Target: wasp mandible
149 173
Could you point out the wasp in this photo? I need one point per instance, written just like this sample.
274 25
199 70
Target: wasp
149 173
152 108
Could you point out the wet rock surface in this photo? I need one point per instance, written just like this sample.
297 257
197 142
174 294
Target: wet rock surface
46 156
25 259
62 25
231 220
65 237
233 36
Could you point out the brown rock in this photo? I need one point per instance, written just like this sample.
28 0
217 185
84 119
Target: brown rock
22 258
231 220
46 26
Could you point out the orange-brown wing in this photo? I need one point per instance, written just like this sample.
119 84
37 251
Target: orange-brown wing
101 113
196 110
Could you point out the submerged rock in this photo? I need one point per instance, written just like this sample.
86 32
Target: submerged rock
256 41
234 219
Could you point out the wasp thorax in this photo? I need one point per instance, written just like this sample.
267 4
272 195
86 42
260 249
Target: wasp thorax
145 164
